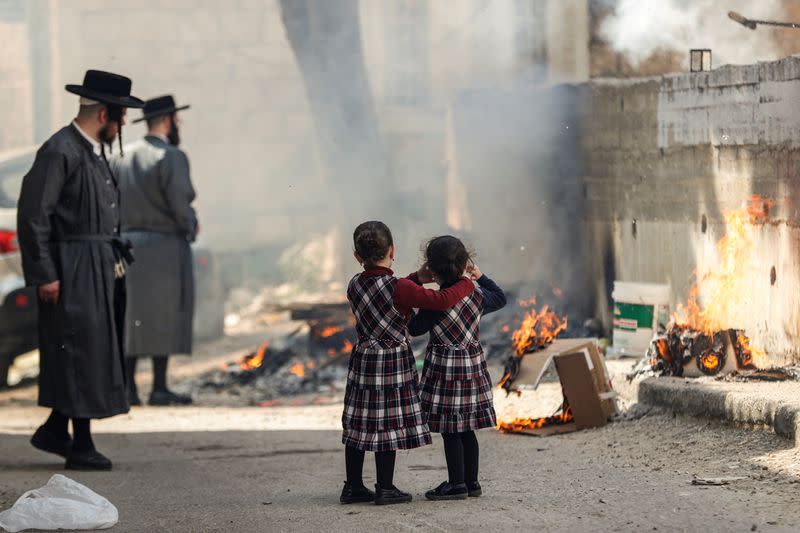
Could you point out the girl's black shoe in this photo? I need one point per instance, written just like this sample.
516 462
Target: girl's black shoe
474 489
351 494
448 491
390 496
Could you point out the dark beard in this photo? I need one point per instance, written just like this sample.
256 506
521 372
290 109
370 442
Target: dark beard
105 136
173 134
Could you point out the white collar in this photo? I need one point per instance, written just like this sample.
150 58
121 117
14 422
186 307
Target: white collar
96 147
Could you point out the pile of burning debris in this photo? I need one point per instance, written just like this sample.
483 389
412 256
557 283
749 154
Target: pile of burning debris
682 347
310 359
699 339
536 332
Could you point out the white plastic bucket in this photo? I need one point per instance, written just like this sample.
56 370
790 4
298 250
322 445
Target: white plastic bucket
639 309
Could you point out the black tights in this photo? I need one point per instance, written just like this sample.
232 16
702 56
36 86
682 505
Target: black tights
159 372
81 429
384 467
461 452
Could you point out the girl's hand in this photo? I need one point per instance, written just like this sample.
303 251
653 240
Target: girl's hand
474 272
424 275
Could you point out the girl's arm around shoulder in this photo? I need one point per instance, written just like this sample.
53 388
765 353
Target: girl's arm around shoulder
408 294
494 298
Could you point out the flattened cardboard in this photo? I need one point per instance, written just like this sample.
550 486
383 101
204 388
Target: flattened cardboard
584 380
546 431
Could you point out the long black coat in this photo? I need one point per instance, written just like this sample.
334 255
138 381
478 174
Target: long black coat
158 218
71 192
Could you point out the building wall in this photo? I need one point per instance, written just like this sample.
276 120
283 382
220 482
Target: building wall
663 154
249 133
16 107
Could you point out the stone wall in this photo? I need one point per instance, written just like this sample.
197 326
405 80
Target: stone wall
664 154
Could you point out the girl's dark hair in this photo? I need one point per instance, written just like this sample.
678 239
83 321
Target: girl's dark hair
447 257
372 241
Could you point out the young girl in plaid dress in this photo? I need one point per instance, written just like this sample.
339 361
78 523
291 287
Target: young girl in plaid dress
381 405
456 388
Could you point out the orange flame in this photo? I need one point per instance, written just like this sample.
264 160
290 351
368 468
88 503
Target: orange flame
251 362
749 356
710 361
330 331
538 328
724 291
346 348
521 424
298 369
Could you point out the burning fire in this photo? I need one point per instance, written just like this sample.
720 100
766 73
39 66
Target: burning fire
251 362
330 331
538 329
723 290
347 348
298 369
520 424
703 331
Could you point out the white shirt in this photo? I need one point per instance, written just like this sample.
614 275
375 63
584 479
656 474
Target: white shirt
96 147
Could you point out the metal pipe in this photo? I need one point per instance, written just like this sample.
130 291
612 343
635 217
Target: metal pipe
751 23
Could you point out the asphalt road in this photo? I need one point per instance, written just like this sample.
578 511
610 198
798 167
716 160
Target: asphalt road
628 476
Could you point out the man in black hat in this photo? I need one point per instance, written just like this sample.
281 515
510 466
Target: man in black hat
68 222
158 218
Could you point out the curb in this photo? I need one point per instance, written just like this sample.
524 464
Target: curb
772 404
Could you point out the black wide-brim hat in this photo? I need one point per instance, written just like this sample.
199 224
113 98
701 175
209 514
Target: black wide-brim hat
163 105
107 88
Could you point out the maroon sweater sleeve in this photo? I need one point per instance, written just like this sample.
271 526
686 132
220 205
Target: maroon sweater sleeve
408 294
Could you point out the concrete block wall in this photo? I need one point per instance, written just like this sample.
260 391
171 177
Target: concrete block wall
663 154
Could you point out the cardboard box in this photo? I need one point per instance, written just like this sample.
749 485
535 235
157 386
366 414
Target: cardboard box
584 381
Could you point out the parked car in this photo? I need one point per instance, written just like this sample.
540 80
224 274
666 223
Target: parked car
18 314
18 325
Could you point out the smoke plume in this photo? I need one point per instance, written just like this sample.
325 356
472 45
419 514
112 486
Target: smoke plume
639 28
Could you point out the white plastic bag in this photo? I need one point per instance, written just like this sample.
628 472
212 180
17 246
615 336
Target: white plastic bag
61 504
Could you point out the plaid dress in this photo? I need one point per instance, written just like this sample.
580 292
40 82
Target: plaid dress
381 403
456 387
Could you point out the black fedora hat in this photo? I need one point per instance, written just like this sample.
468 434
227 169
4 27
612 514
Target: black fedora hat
163 105
107 88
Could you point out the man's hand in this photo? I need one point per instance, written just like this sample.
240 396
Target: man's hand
49 292
474 272
424 275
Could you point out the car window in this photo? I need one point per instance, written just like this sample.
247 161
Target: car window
10 184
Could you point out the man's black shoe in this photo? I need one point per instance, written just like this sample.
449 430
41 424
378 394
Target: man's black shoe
474 489
47 441
351 494
390 496
133 399
448 491
87 460
167 397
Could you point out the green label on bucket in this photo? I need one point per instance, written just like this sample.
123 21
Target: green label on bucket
630 317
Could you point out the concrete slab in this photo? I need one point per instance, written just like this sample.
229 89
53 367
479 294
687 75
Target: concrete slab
776 405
